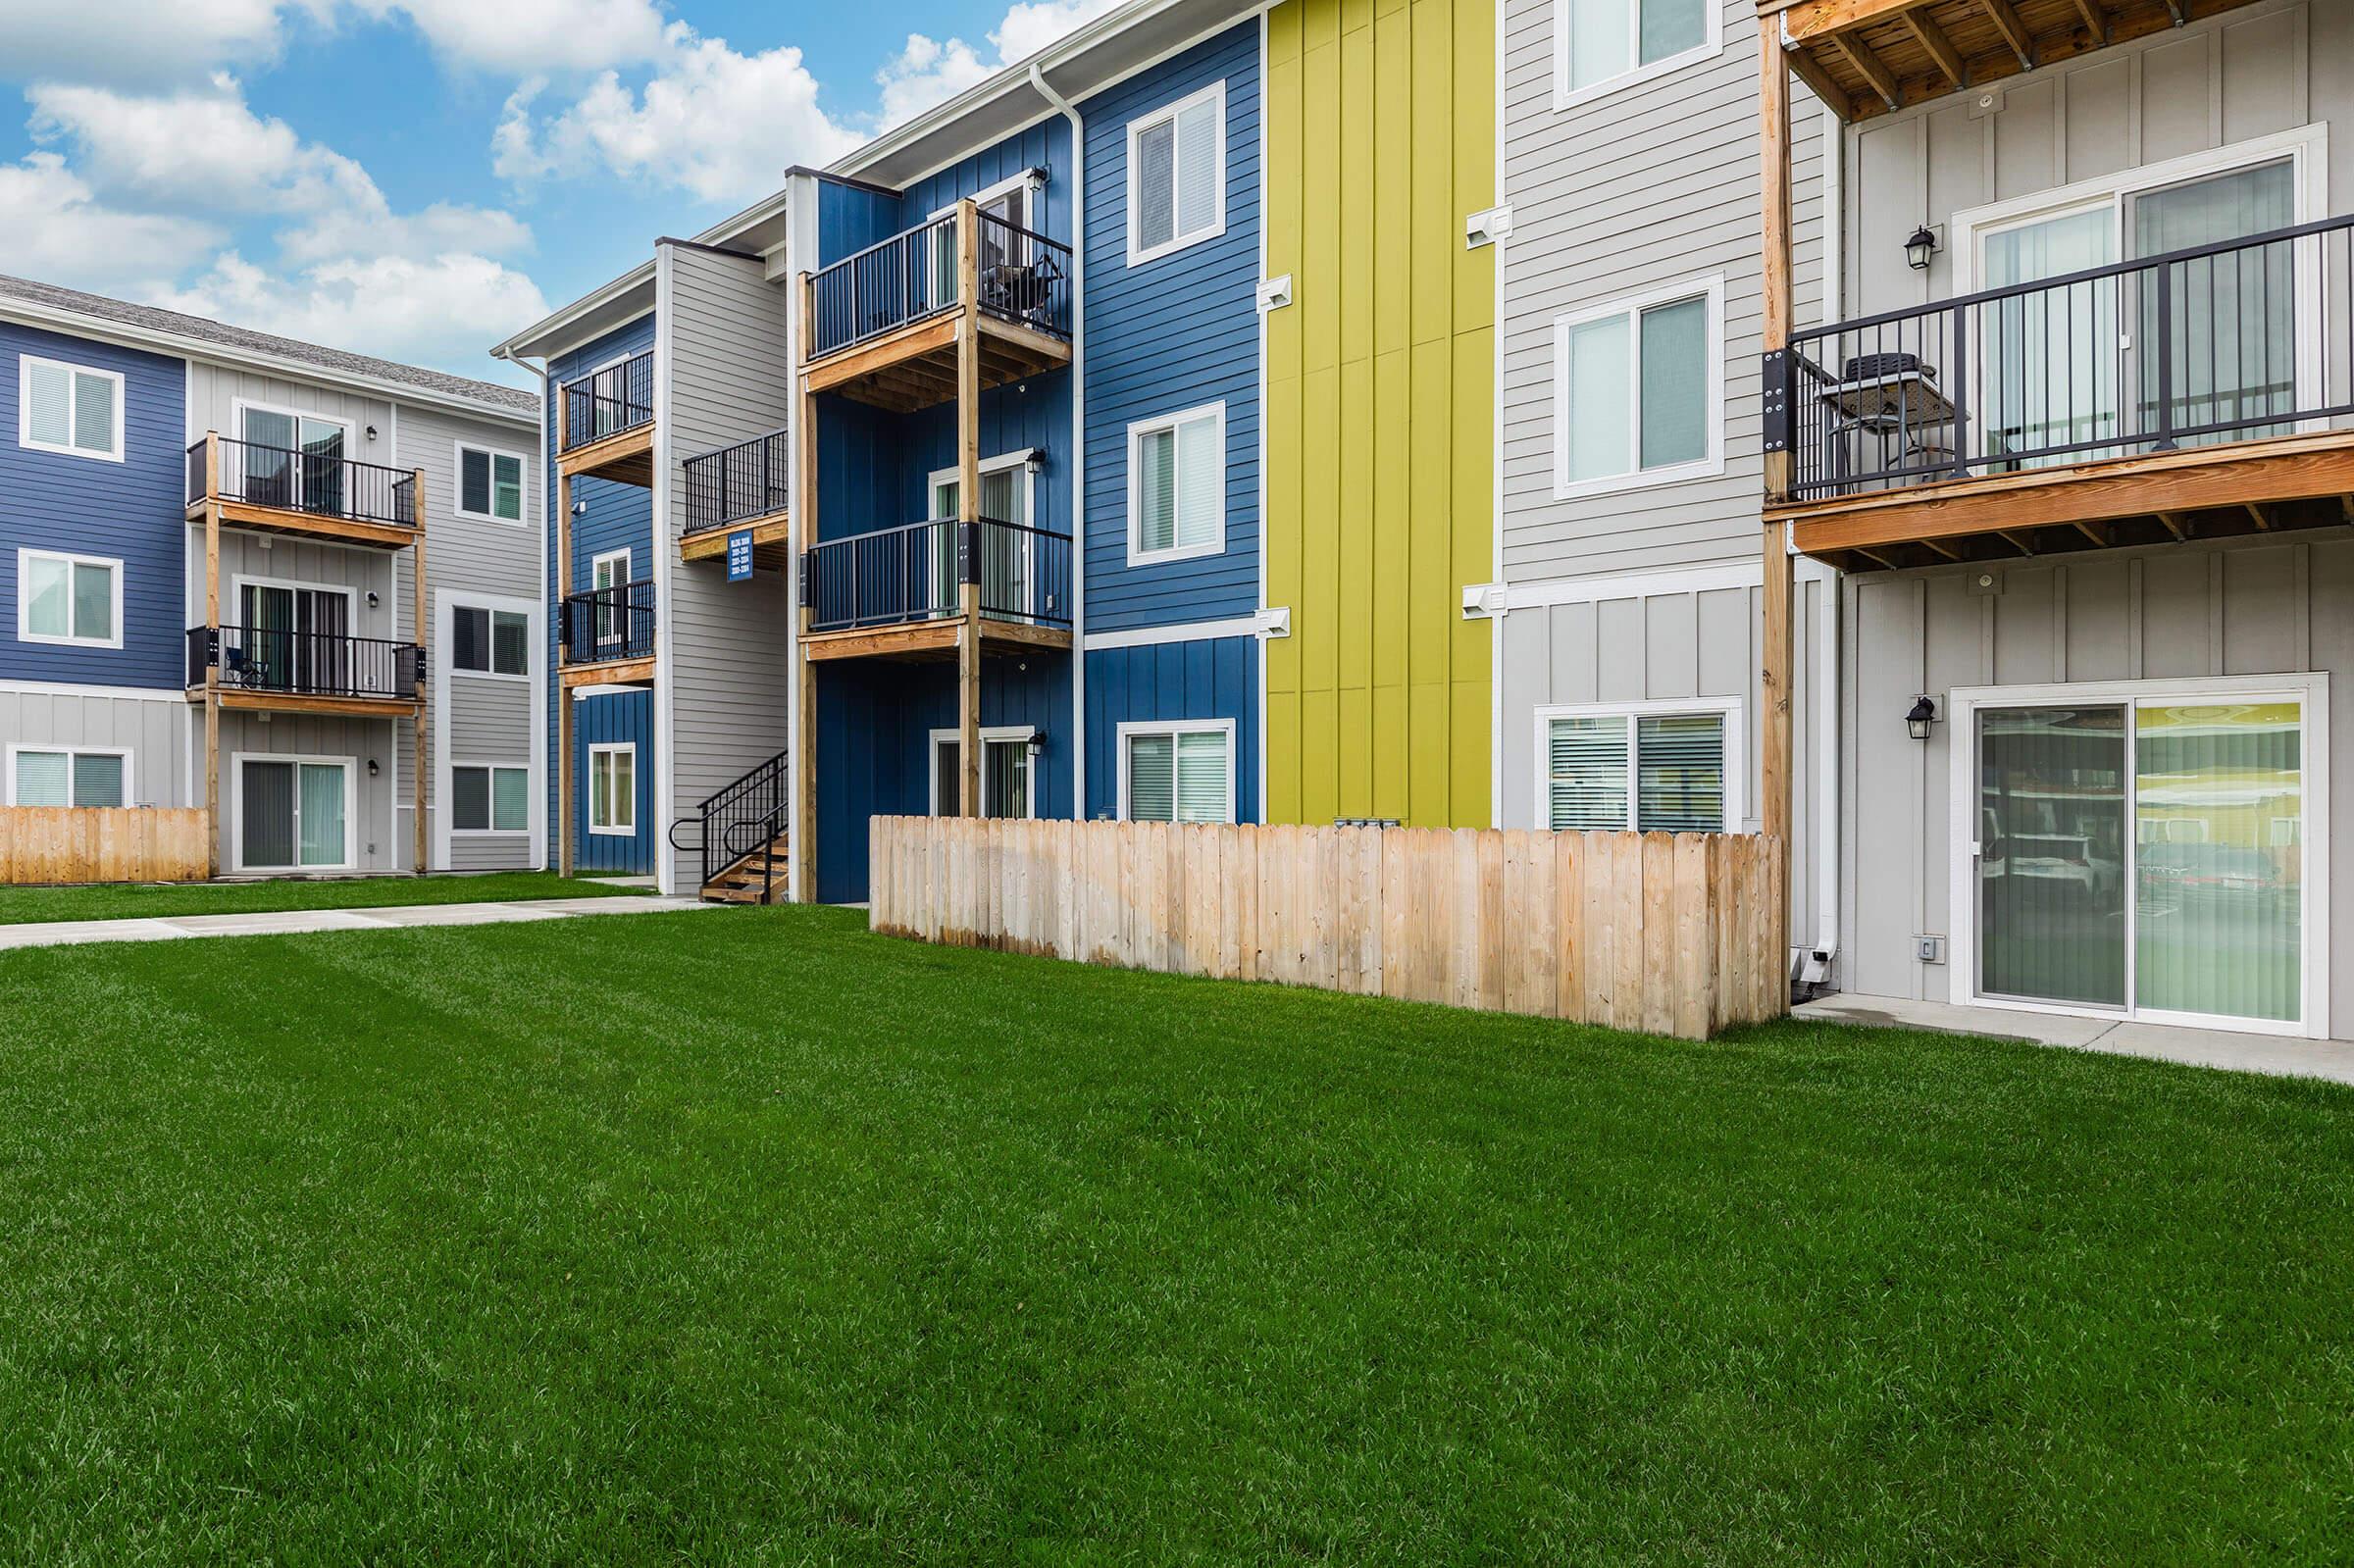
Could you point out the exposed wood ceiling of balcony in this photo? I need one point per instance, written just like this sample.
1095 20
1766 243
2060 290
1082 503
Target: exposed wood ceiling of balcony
1870 57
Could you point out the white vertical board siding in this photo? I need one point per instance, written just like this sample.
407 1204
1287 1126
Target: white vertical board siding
728 658
2249 72
154 729
1644 185
2257 607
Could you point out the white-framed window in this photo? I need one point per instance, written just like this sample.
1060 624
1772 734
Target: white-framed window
485 641
1177 485
613 789
71 599
295 813
1600 46
491 483
1008 781
1177 769
489 797
1646 766
1638 390
69 408
1177 175
68 775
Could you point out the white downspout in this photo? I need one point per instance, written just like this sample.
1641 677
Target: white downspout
1078 458
1830 611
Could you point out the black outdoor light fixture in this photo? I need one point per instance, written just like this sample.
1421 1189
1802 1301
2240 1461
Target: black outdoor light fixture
1920 248
375 768
1922 715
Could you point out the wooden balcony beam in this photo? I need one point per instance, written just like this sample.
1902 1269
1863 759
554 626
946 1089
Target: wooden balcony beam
2015 31
1937 46
1867 65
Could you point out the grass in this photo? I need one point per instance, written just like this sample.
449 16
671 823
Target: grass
159 900
746 1236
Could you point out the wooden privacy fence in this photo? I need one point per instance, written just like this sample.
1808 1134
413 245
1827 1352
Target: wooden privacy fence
1665 933
103 843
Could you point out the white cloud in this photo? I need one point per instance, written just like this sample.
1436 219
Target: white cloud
928 71
435 310
54 228
135 39
723 126
201 148
524 36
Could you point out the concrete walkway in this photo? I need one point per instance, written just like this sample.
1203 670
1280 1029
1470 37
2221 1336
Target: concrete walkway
280 922
2279 1055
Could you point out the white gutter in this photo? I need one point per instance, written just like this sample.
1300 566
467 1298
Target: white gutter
1078 458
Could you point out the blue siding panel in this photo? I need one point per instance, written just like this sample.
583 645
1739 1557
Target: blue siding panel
1209 679
132 510
618 717
1174 334
849 219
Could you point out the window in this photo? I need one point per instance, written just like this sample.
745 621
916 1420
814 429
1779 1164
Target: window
295 813
613 789
69 409
486 798
1653 769
1177 485
1602 45
1008 785
74 600
68 775
1006 482
489 485
1638 391
490 641
609 579
1177 175
1177 772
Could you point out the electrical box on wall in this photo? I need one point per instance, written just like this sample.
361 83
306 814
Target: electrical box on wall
1930 949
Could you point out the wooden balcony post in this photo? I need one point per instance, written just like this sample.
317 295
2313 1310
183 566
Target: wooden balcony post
1774 677
212 662
419 728
801 530
969 507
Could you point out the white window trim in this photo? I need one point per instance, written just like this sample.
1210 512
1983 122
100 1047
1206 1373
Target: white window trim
524 768
1564 97
1125 735
1711 288
239 581
1736 757
589 806
1137 554
351 808
628 566
2309 690
1029 182
989 465
490 633
24 439
457 484
25 556
71 751
1140 254
244 406
1002 732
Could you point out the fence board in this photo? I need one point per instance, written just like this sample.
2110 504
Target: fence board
1654 932
103 843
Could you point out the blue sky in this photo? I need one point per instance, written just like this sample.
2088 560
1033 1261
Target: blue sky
418 178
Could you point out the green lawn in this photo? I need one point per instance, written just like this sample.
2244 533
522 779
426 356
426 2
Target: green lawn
746 1236
135 900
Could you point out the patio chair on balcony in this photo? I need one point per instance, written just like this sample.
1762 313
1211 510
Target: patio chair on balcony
1892 400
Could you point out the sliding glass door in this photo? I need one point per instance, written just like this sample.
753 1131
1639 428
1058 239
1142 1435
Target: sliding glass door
293 815
295 461
2144 855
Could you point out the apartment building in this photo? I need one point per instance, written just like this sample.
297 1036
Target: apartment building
292 586
2075 425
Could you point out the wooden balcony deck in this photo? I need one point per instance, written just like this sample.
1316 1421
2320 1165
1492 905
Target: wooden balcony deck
918 641
914 366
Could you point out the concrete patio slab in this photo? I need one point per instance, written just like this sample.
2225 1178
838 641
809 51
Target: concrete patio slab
2230 1050
292 921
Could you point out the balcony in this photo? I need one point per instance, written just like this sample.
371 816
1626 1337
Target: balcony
741 488
901 592
2202 392
316 493
885 325
271 669
605 423
605 637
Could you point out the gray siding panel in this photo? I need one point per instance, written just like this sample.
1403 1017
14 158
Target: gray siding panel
153 729
381 831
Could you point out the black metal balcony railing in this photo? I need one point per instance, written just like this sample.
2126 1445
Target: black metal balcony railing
752 478
308 664
601 624
916 572
620 397
2231 341
321 483
1024 277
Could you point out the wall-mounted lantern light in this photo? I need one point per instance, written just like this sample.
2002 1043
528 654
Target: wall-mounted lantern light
375 768
373 600
1922 715
1920 247
1038 746
580 509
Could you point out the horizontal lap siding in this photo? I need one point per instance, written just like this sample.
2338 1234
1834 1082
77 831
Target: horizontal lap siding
487 720
1208 678
130 510
1177 332
726 644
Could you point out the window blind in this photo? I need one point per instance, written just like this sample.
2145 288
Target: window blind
1680 773
41 778
1151 778
506 488
511 799
51 419
1154 184
1197 171
97 779
474 482
1586 771
1676 372
510 642
1201 776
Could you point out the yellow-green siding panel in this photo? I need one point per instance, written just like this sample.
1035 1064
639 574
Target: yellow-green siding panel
1380 140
